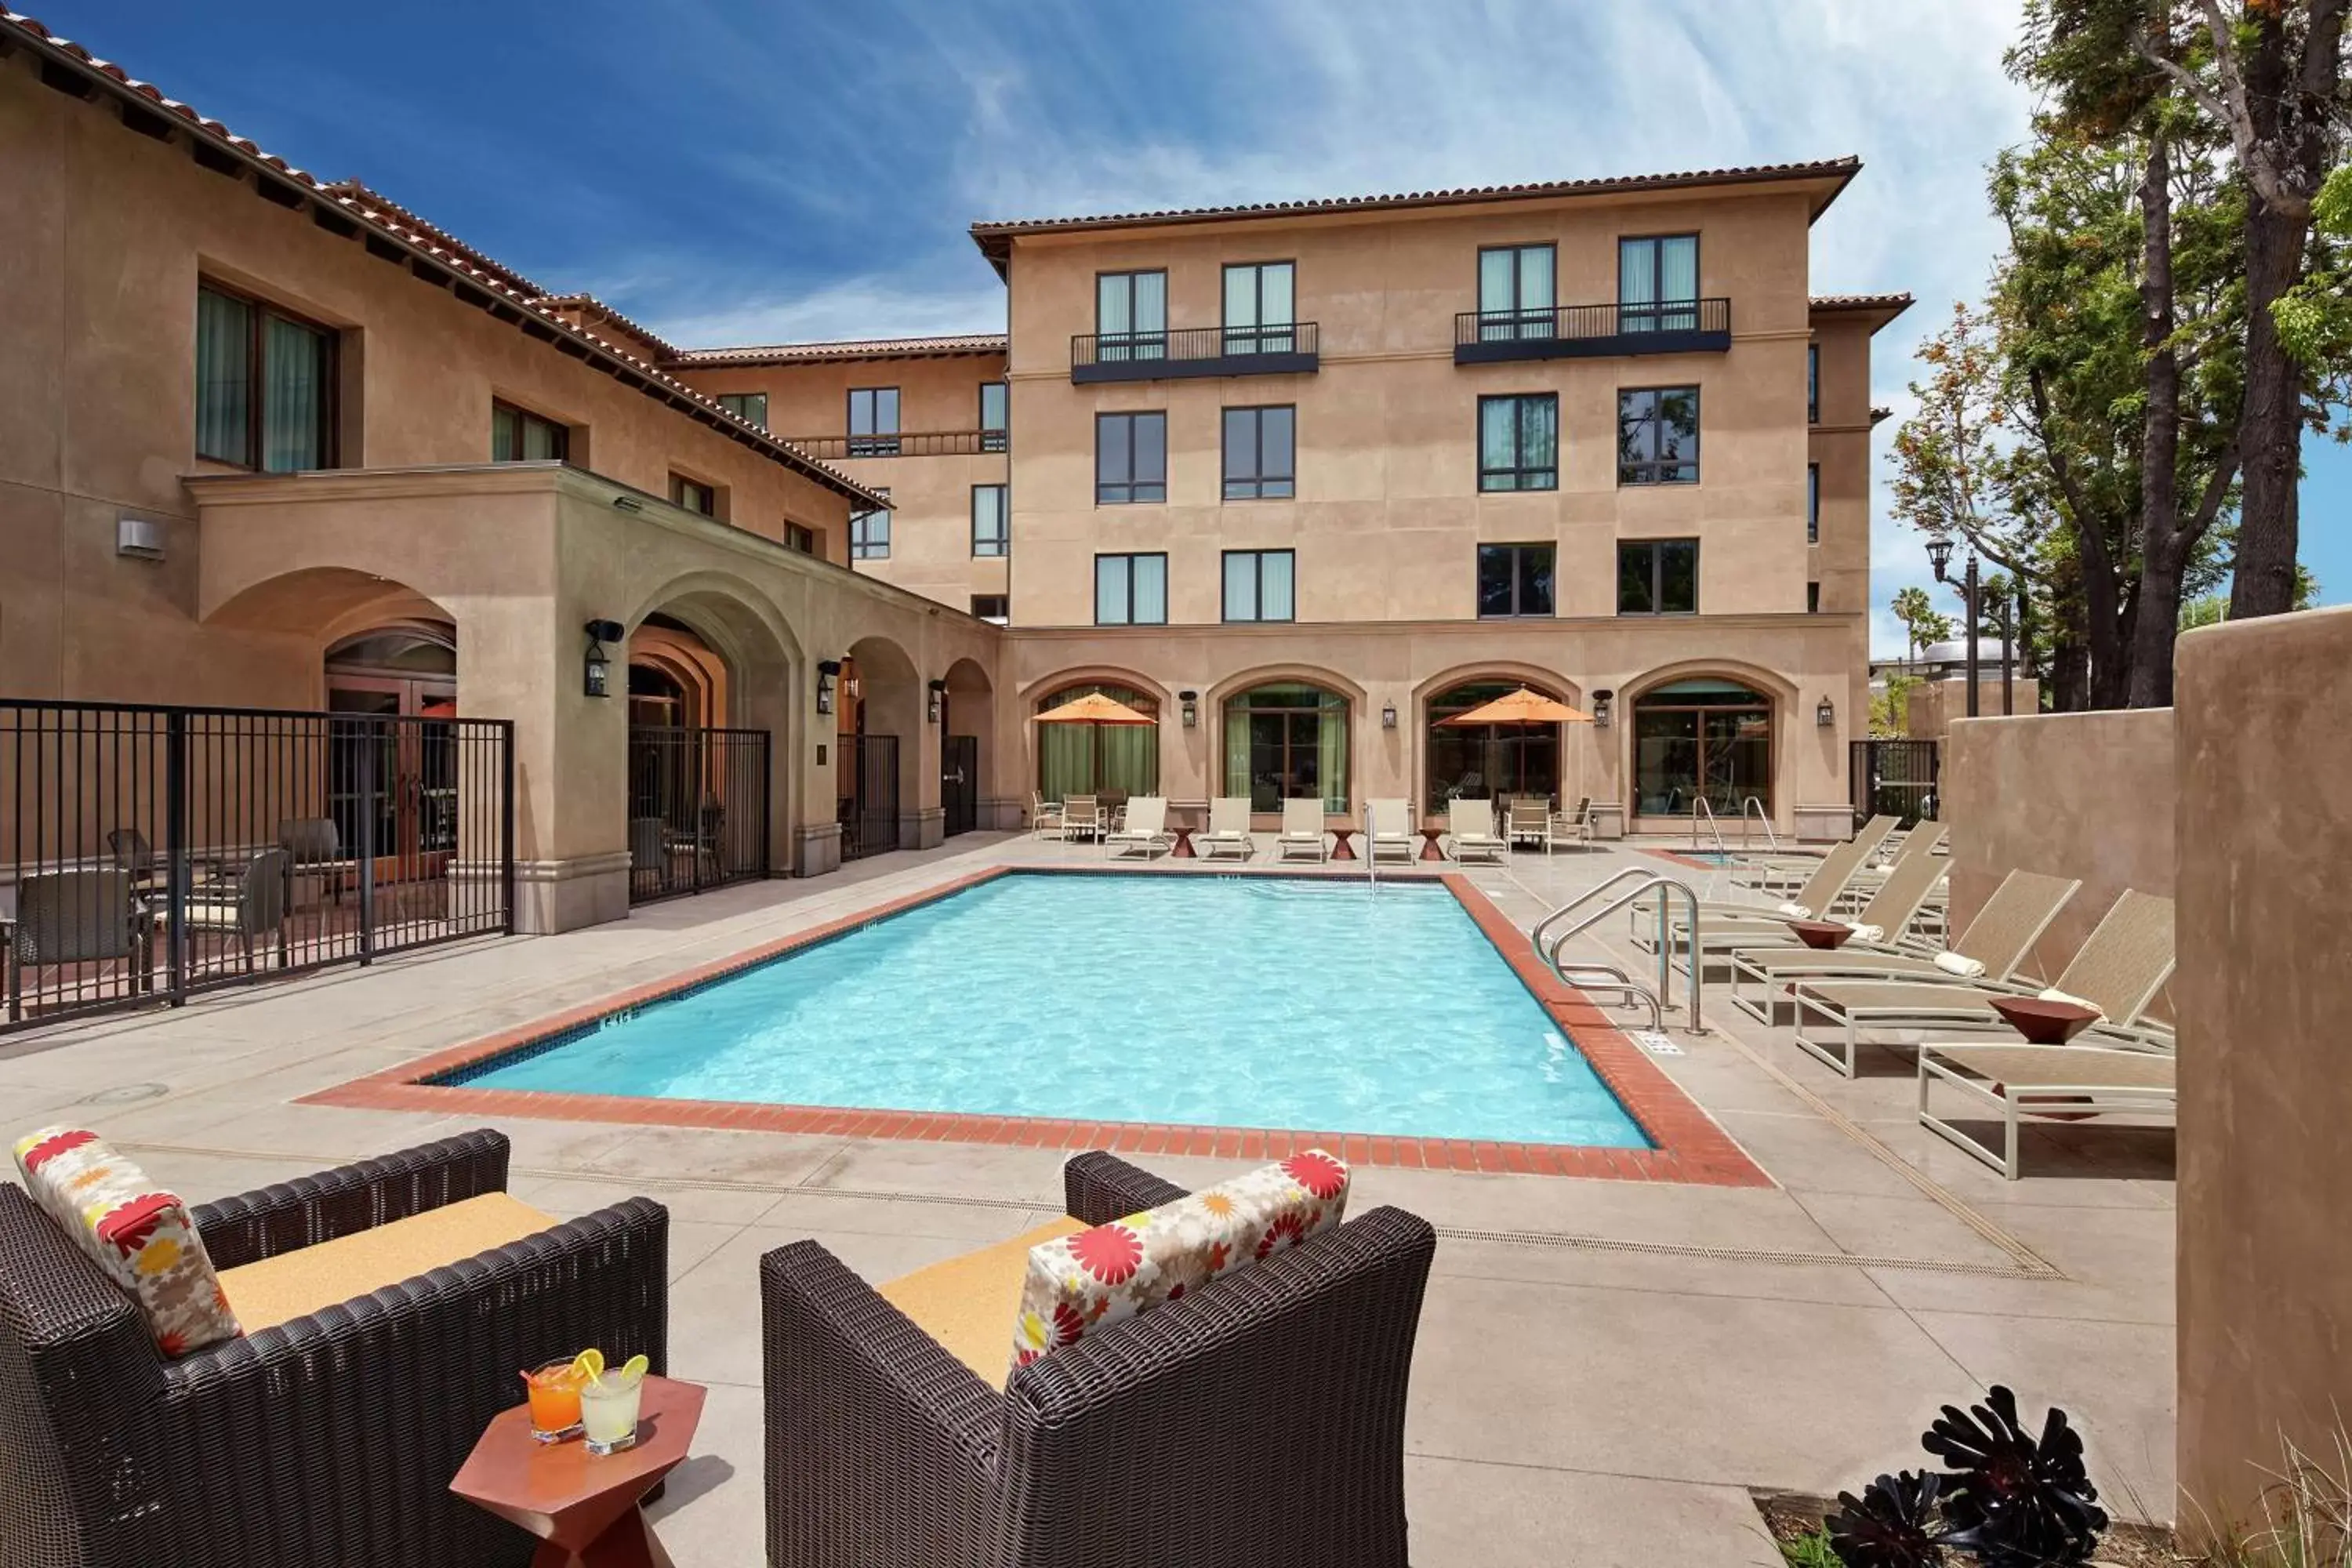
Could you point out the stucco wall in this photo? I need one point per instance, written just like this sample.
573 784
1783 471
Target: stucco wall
2088 795
2265 1003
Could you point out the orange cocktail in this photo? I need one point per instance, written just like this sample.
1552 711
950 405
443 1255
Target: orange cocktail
555 1400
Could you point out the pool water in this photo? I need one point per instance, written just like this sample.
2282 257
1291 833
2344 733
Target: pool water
1229 1002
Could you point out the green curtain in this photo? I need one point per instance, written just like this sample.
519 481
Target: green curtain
1130 757
1237 748
1331 756
293 401
224 377
1066 760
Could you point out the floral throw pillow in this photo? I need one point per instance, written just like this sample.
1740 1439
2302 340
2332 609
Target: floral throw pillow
142 1239
1080 1283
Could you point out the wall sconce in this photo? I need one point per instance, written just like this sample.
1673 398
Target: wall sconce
597 672
1388 716
826 669
1826 714
628 503
1600 703
938 688
1192 707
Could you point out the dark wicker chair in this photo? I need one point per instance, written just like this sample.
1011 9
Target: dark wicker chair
1259 1421
328 1442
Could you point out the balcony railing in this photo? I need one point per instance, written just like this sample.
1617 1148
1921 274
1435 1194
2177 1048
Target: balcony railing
1670 327
1289 348
903 444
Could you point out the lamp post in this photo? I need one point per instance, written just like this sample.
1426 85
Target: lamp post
1939 556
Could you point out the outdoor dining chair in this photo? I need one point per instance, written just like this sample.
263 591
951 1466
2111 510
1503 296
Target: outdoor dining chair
74 917
249 906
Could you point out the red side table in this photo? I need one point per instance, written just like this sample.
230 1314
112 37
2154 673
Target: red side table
584 1507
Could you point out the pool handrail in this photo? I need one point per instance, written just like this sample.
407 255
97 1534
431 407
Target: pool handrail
1699 806
1771 839
1661 997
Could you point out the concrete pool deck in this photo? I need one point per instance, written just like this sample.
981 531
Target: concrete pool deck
1605 1368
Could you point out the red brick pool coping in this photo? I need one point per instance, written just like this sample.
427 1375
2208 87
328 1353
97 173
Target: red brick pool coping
1691 1147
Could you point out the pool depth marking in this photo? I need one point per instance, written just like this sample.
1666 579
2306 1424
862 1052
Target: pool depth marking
1690 1146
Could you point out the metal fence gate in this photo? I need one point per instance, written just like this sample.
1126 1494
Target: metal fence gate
870 816
960 782
150 853
1895 778
697 809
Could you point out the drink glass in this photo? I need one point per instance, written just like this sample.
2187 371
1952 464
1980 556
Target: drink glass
554 1391
608 1405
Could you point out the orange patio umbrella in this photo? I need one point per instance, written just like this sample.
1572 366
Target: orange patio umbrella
1094 707
1525 706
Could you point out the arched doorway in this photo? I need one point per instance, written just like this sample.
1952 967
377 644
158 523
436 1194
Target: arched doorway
392 780
1703 736
967 713
1111 762
1487 761
880 716
1283 740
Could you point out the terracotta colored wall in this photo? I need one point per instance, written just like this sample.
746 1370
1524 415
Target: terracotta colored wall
1839 444
2265 994
1934 705
2072 794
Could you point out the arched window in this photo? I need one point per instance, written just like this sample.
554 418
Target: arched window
1286 740
1115 760
1488 760
1710 736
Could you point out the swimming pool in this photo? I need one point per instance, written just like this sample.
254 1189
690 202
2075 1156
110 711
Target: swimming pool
1225 1001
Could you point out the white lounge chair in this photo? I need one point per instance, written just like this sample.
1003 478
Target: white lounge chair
1765 873
1886 918
1145 829
1302 831
1228 833
1470 831
1389 829
1833 874
2053 1083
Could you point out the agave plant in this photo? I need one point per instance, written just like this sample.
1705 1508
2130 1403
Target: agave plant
2013 1500
1893 1524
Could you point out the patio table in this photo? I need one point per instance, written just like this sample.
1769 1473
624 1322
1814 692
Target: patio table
583 1507
1340 838
1429 849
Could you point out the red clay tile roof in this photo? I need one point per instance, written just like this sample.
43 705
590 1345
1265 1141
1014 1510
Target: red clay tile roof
582 301
849 348
996 238
1884 307
503 289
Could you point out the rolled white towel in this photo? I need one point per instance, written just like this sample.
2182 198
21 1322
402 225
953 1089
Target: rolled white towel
1955 963
2054 994
1796 911
1867 933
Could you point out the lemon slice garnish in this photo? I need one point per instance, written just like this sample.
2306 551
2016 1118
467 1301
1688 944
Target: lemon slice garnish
636 1366
589 1363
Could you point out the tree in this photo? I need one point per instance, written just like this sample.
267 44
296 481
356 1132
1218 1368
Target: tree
1922 622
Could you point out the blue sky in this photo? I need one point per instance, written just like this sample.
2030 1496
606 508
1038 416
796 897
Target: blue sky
750 172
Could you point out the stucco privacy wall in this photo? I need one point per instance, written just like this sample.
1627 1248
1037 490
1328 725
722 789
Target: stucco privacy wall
2265 1003
2088 795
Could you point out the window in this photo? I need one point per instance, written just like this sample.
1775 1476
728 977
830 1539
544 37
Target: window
1515 292
1260 457
694 495
1288 742
750 405
1657 576
799 538
1130 458
519 436
873 421
1657 436
1657 284
265 387
1114 760
1259 306
1812 384
1812 503
1519 442
1709 737
995 400
1130 590
1514 580
1258 585
1480 761
869 532
996 608
1131 315
989 536
1813 598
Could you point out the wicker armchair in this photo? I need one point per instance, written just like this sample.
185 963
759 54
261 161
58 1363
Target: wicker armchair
1260 1420
328 1440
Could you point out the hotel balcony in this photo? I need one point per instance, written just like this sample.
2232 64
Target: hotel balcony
902 444
1583 332
1289 348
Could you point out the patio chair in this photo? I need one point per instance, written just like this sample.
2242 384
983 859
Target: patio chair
74 917
250 905
1390 831
649 855
1470 831
1832 873
1044 815
1766 872
1573 827
2119 968
1994 943
2051 1083
1302 831
327 1434
315 846
1528 823
1886 918
1082 819
1145 829
1228 832
1285 1379
131 851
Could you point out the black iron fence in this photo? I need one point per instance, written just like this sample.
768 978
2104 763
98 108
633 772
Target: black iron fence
870 813
148 854
1895 778
1279 348
697 809
903 444
1668 326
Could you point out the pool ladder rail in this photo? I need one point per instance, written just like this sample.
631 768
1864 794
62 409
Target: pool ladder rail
1754 807
1593 975
1699 807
